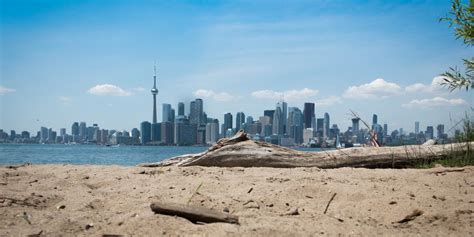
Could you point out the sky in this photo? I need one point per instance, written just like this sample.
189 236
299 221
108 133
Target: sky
92 61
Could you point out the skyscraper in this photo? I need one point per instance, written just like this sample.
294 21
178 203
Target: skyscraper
196 112
374 119
417 127
308 113
227 122
239 120
355 126
284 115
145 130
270 114
82 130
167 116
278 122
440 131
429 132
326 125
154 92
180 109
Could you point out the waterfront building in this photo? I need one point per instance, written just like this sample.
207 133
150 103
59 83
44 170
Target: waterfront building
277 122
326 126
270 114
44 134
75 131
440 131
167 133
429 134
145 130
196 115
181 109
309 115
156 132
82 131
185 134
167 113
227 122
284 115
239 120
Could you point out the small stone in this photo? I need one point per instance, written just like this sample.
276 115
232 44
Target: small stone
293 212
88 226
61 207
226 209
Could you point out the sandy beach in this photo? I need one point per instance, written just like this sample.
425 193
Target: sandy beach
74 200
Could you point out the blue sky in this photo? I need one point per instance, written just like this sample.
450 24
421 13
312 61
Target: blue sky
65 61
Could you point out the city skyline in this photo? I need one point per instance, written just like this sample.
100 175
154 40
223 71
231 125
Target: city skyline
241 57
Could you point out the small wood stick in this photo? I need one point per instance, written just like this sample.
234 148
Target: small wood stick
194 214
329 203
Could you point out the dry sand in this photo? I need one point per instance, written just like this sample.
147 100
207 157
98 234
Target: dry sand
95 200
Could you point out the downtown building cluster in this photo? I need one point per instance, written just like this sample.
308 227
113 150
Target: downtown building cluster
282 125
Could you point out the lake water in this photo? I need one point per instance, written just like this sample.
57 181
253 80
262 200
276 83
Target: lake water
92 154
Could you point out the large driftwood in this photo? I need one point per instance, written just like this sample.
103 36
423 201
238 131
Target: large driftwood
194 214
239 151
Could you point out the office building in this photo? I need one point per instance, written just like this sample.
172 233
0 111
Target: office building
239 120
145 131
309 115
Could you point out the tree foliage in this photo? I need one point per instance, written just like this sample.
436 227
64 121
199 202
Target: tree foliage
461 18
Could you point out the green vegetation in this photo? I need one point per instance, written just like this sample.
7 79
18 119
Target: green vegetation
461 18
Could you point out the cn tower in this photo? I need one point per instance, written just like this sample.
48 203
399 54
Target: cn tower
154 92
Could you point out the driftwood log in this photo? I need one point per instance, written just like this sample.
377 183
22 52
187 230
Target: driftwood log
239 151
194 214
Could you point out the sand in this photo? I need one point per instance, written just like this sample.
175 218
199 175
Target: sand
96 200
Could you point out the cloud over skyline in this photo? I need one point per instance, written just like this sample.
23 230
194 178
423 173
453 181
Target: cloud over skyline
435 86
108 90
217 96
378 88
289 95
434 102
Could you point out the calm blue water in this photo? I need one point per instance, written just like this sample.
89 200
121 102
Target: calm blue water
91 154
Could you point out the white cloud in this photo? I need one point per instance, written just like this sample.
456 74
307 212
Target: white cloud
434 102
108 89
290 95
139 89
433 87
377 88
331 100
218 96
5 90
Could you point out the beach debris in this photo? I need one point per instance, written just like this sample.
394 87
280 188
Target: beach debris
416 213
329 203
27 217
292 212
90 225
226 209
251 204
14 167
193 213
33 181
239 151
36 235
392 203
250 190
61 207
440 170
195 192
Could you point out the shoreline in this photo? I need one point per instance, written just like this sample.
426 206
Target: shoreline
112 199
